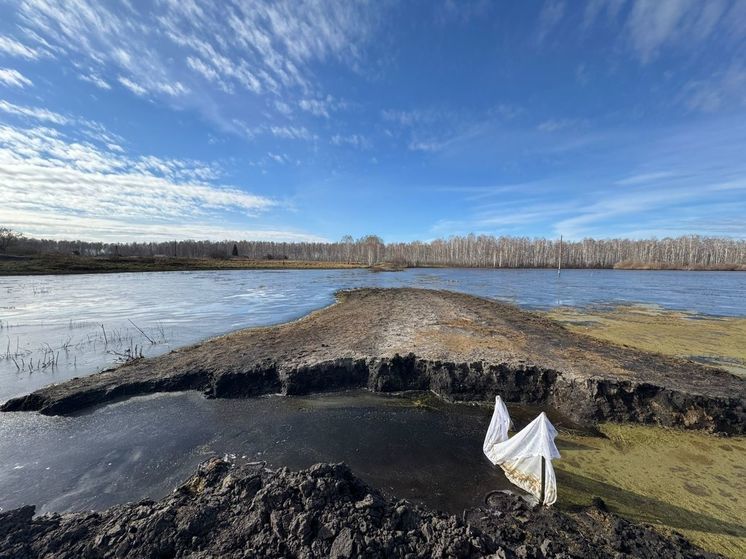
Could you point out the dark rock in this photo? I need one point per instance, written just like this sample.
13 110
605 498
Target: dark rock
325 511
343 545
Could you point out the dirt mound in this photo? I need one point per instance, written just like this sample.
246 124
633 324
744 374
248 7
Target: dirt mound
458 346
325 511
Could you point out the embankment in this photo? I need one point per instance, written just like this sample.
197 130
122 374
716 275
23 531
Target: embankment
458 346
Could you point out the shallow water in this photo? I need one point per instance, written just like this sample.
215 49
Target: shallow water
88 322
143 447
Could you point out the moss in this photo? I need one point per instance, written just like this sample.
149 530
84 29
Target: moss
716 341
684 481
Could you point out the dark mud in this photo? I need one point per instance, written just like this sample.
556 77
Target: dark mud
325 511
458 346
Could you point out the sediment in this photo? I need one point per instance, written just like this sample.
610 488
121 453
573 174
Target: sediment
249 511
458 346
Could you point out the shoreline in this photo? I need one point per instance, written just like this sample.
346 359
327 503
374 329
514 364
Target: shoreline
459 346
72 265
40 266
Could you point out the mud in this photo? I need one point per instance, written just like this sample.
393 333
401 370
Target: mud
325 511
458 346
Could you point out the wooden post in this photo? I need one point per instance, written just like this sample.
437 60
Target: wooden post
543 480
559 260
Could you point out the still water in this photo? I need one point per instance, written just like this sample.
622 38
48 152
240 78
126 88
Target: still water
144 447
56 327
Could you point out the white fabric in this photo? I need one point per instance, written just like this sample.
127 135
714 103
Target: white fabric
520 455
497 432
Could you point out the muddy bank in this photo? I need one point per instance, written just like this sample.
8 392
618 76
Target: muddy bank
459 346
325 511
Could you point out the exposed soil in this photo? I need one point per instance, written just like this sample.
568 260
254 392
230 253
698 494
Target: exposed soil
459 346
325 511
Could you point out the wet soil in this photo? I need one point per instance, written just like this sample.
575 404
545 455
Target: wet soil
325 511
458 346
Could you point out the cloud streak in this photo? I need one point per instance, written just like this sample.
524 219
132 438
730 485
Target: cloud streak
192 53
35 113
14 78
53 185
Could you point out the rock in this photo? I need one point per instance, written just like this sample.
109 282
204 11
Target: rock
343 545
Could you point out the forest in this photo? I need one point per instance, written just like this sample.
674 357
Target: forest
482 251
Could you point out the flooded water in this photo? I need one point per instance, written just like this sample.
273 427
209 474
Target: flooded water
56 327
144 447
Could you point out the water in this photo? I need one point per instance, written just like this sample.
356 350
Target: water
144 447
88 322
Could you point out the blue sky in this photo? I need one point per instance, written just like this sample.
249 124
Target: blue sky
308 120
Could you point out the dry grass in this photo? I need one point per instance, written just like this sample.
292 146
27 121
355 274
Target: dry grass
709 340
64 264
633 265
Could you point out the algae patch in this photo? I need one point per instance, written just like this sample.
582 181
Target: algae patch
718 341
688 482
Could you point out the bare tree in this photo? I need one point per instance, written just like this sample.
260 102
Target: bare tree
8 237
472 250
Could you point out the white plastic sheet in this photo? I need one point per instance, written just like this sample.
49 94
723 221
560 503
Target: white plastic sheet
520 456
497 432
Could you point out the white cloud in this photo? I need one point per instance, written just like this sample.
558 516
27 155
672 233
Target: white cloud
54 226
14 78
551 14
354 140
321 107
262 48
556 124
95 80
645 178
278 157
410 117
48 178
135 88
291 132
35 113
283 108
720 89
655 24
10 46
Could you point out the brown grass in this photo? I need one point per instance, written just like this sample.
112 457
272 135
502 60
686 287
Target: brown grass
716 341
69 264
633 265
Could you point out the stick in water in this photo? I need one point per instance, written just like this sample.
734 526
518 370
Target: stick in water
141 332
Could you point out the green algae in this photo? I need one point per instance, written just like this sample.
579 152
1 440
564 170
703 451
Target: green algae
689 482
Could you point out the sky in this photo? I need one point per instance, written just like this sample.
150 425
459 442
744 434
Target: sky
306 120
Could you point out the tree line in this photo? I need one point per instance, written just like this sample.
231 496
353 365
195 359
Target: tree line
483 251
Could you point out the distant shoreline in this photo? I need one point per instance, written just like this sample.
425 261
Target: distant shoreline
64 265
55 264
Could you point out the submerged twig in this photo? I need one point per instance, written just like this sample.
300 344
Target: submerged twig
142 332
